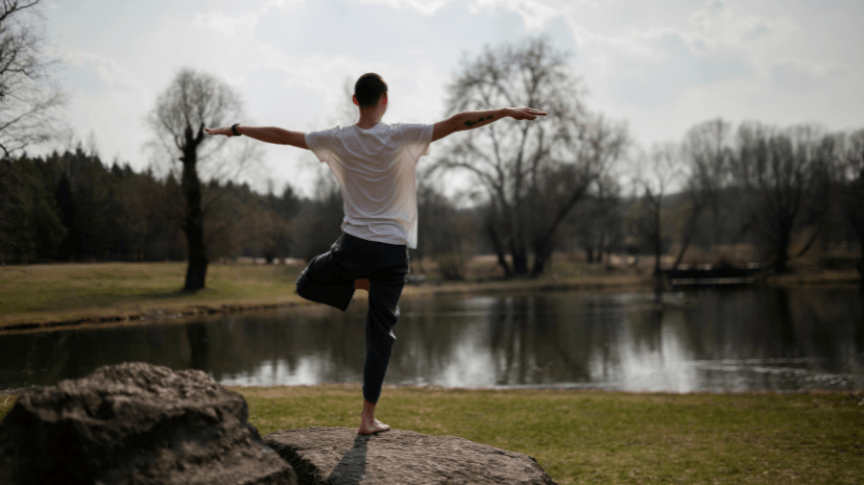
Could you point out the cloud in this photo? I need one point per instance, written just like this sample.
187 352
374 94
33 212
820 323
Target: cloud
228 25
535 14
656 67
111 73
799 76
425 6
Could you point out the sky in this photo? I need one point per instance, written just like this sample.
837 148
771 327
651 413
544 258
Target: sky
661 66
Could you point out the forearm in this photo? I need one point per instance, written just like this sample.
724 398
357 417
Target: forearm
267 134
468 120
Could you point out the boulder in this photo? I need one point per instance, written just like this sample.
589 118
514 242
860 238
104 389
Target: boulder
340 456
136 423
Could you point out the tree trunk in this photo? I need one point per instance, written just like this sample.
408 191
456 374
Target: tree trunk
782 250
684 245
499 250
520 259
658 243
861 263
542 253
193 220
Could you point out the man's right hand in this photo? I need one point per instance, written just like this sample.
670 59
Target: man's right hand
524 113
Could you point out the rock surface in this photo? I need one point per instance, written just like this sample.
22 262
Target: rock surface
340 456
136 423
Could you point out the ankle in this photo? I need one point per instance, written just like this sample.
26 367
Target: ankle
368 411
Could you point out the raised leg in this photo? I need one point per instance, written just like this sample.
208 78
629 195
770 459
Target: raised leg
325 280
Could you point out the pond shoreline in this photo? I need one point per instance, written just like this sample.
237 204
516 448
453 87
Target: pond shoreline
157 313
152 311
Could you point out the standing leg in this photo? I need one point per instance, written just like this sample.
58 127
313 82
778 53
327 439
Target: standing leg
384 293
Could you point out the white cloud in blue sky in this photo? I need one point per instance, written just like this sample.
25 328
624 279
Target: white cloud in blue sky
662 65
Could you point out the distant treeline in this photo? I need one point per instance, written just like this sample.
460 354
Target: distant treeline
72 207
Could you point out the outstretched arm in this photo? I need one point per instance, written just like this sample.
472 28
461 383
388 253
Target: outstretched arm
267 134
468 120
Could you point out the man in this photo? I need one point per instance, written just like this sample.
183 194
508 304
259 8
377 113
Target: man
374 164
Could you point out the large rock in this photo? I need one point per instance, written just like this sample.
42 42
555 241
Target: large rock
136 424
340 456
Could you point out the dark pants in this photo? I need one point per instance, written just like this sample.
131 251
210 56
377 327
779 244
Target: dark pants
329 279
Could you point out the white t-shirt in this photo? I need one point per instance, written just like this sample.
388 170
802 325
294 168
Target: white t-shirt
376 169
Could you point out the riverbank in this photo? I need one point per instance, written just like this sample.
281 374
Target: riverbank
609 437
39 297
58 295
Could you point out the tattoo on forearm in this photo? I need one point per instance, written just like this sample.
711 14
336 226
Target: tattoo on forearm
470 123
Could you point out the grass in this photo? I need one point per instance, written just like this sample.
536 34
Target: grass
613 437
609 437
51 293
44 293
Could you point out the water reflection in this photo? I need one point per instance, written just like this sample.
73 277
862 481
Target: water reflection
736 340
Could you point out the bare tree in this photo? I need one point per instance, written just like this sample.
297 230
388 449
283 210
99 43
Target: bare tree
655 173
707 153
594 147
530 175
785 174
192 101
852 189
596 224
30 100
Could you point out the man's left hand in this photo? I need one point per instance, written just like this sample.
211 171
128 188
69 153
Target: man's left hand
219 131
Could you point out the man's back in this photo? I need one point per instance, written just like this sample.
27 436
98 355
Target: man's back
376 169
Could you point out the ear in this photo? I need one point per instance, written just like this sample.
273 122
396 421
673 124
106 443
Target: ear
384 97
354 98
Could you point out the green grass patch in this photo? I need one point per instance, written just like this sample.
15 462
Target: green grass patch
608 437
68 291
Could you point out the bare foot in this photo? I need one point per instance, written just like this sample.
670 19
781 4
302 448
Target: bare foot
372 427
362 284
368 423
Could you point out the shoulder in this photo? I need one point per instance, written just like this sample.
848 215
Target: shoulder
328 134
323 139
412 131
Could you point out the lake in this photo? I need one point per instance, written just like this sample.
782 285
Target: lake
745 339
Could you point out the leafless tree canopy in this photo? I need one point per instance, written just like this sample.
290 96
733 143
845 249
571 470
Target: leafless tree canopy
29 99
194 101
786 172
530 174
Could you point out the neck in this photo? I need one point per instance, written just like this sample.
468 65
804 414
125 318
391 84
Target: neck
369 117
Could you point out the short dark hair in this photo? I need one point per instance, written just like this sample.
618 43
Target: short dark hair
369 89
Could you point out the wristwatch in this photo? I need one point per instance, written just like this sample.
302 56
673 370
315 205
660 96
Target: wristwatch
234 129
